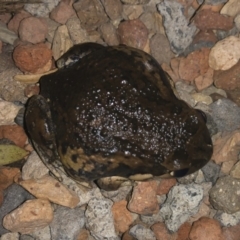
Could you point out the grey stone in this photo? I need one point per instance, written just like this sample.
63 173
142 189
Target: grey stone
14 196
211 171
6 35
99 219
142 233
179 33
225 194
183 202
43 233
228 220
67 223
211 2
225 122
26 237
119 194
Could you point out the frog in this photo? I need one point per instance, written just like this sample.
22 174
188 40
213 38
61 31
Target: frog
110 114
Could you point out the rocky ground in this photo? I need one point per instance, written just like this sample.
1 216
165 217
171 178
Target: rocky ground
197 43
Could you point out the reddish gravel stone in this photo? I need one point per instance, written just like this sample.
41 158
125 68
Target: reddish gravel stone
165 185
205 36
133 33
207 19
183 231
33 58
7 175
231 233
33 30
161 232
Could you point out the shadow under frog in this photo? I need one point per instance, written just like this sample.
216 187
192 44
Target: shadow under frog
110 114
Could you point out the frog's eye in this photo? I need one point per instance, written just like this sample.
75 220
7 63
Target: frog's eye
202 114
180 173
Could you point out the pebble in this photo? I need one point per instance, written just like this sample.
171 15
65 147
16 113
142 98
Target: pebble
113 9
144 198
142 233
225 54
228 220
165 185
232 233
100 219
10 236
50 188
30 216
67 223
231 8
131 12
179 33
161 232
7 36
182 202
235 171
211 171
219 194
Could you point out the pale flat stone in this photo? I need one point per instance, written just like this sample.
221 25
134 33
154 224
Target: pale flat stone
49 188
30 216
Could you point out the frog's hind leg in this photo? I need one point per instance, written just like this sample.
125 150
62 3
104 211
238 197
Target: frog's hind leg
40 129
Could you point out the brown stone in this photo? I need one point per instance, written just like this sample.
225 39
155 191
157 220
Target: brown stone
161 232
31 216
14 23
165 185
205 80
33 30
83 235
183 231
15 133
231 233
109 34
5 17
207 19
49 188
90 13
234 95
133 33
144 198
122 217
228 79
33 58
7 175
62 12
206 228
205 36
194 65
166 68
113 9
127 236
226 147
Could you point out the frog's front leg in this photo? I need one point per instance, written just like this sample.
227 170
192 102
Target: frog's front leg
41 131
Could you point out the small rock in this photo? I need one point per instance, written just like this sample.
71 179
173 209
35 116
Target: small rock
133 2
204 211
43 233
109 34
142 233
62 12
183 231
199 97
228 79
67 223
207 19
144 198
30 216
219 194
113 9
8 111
14 23
49 188
237 21
205 80
61 42
212 90
120 194
178 31
165 185
34 167
90 13
7 36
231 233
231 8
225 122
7 175
52 27
161 232
182 202
206 228
100 220
33 58
41 9
228 220
153 218
33 30
225 54
10 236
235 172
227 166
131 12
226 147
162 54
14 133
234 95
211 171
122 217
194 65
133 33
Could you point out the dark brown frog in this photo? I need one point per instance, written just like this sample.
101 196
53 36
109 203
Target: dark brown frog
111 111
